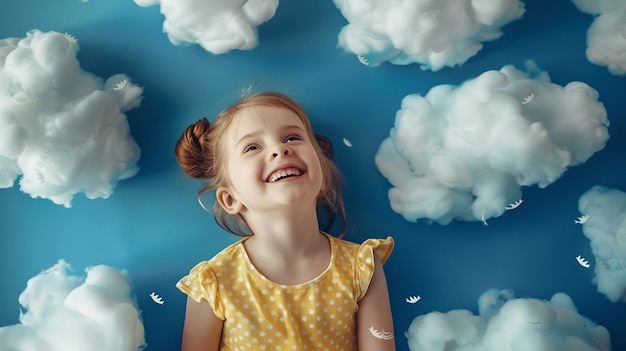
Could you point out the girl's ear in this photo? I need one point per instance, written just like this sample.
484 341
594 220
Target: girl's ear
228 201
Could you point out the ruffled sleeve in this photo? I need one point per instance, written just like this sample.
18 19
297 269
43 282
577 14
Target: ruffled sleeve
365 262
201 283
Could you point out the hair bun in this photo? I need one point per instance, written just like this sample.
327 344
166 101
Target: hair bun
190 151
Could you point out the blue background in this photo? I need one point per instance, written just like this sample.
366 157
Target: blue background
153 227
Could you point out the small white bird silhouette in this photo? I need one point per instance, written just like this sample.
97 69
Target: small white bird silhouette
413 299
528 99
514 205
347 142
381 334
581 219
156 298
582 261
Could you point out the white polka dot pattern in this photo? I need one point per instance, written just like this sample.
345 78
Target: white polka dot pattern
259 314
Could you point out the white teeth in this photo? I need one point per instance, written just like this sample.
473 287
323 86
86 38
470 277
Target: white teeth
282 173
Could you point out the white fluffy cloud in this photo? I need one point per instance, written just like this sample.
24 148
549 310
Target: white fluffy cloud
508 323
606 230
69 313
61 128
606 37
217 26
434 34
464 152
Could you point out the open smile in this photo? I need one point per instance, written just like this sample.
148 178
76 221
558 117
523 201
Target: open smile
284 173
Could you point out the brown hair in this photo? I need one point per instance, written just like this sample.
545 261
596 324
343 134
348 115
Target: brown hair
198 154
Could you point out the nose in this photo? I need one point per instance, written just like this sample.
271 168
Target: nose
280 150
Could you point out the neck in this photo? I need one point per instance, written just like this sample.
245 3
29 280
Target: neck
286 233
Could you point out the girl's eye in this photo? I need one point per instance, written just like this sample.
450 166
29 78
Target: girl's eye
250 148
292 137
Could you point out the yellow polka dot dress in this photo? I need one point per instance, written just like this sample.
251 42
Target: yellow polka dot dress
260 314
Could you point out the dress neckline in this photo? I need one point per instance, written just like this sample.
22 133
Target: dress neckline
302 285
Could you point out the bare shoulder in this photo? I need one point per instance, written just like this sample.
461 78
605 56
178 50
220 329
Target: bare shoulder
202 329
374 319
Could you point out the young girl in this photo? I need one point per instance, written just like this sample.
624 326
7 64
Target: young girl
285 285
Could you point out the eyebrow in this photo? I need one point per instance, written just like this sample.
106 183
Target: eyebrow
255 134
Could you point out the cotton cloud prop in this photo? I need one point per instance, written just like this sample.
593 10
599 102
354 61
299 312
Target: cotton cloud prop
606 37
61 128
218 26
433 34
68 313
606 229
464 152
508 323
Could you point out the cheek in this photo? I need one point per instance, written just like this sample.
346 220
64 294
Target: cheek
319 173
233 173
243 172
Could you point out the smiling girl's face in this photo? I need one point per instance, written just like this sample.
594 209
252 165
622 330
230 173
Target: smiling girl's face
270 160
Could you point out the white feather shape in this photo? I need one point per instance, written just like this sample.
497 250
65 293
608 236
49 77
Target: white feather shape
528 99
413 299
617 265
24 97
70 38
120 85
363 60
582 261
463 133
40 176
381 334
514 205
156 298
20 97
581 219
483 219
347 142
